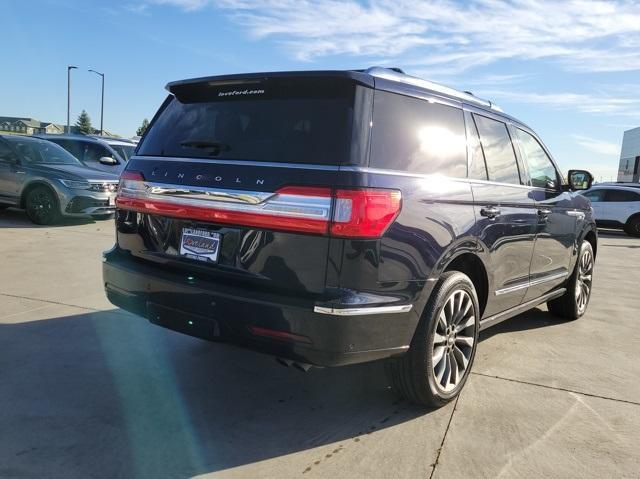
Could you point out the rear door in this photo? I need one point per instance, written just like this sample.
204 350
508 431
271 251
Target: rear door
622 204
506 216
556 225
249 165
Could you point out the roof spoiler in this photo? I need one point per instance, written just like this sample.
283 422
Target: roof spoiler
397 75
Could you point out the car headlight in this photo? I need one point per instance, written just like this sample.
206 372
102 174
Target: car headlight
76 185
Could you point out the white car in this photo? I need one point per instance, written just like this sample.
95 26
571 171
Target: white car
616 207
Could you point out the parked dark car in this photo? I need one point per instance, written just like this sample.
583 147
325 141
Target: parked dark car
336 217
98 152
49 182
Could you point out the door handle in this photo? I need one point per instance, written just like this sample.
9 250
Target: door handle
21 172
544 212
490 212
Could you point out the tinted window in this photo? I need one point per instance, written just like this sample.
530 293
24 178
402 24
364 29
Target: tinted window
478 167
71 146
93 152
595 195
410 134
285 120
543 173
622 195
6 154
498 150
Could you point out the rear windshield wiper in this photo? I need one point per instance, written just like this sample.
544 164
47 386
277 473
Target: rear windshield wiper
215 146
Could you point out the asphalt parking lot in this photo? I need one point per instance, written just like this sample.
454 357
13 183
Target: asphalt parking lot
87 390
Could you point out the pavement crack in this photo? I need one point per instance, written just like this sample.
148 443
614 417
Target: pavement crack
444 437
17 296
556 388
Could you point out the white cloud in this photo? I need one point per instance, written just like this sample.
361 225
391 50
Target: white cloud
597 146
602 104
582 35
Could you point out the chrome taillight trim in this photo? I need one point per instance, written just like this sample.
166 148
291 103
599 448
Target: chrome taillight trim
254 202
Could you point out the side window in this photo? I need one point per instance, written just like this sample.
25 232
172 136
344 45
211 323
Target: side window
543 173
414 135
596 195
478 167
6 155
621 196
73 147
93 152
498 150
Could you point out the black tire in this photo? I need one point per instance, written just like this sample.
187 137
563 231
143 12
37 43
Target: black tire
632 228
569 305
414 375
42 205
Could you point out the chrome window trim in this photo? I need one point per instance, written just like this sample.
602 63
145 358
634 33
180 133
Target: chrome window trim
404 308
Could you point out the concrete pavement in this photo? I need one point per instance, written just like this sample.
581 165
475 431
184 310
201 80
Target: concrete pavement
87 390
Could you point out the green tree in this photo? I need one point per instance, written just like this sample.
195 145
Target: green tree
84 123
145 124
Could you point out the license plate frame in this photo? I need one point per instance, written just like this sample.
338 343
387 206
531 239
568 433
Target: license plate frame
200 244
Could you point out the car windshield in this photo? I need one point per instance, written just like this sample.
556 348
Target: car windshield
32 151
124 151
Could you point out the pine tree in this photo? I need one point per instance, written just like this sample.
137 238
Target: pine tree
145 124
84 123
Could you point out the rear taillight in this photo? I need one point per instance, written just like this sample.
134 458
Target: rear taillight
344 213
364 213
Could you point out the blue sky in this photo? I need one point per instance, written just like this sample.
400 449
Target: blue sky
569 69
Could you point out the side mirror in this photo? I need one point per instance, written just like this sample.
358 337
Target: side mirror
107 160
580 180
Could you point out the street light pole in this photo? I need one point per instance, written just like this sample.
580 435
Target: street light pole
102 102
69 68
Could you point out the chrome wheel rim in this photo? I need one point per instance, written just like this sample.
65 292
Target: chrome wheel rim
453 340
584 282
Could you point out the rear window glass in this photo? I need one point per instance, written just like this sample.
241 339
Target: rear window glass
417 136
622 196
294 120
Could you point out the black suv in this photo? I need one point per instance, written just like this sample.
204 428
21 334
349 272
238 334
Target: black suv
337 217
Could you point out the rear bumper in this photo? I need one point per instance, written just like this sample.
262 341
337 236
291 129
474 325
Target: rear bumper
219 312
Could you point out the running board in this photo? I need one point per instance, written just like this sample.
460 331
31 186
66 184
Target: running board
510 313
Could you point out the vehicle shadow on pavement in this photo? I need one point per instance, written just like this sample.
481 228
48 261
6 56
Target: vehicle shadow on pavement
15 218
532 319
108 394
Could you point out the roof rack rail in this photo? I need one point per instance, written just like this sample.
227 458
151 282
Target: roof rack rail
396 74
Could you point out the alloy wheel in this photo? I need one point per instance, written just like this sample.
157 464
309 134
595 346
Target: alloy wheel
41 205
454 338
584 282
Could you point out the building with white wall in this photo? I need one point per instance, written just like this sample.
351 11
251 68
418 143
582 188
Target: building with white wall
629 170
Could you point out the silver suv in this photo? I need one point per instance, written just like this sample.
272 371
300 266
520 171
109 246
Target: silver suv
48 182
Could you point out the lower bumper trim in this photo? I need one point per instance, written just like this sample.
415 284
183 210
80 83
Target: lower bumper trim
404 308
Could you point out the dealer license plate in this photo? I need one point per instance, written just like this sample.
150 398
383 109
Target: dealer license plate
200 244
